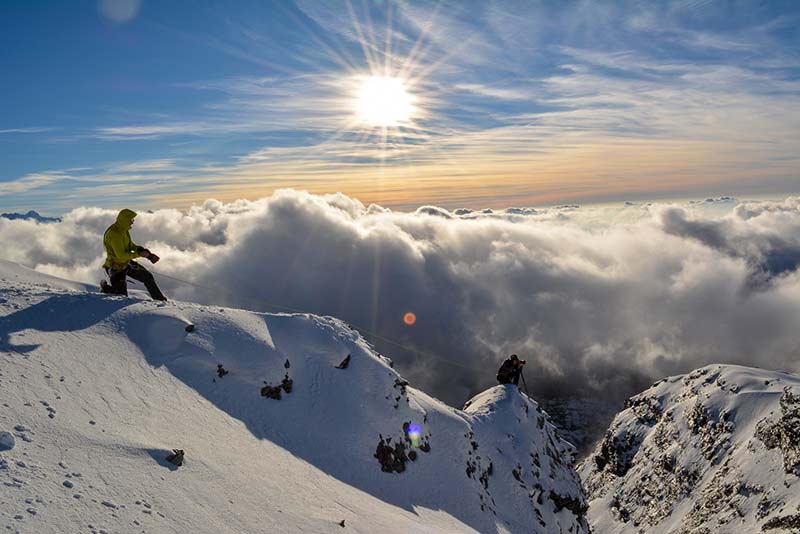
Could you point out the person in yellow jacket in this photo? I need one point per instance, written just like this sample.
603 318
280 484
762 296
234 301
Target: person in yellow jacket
120 253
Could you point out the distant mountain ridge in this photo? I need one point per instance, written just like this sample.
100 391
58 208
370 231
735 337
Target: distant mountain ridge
30 216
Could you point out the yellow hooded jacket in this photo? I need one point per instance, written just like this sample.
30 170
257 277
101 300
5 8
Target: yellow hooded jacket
120 249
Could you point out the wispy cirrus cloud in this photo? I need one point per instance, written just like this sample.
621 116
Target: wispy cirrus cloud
31 130
151 131
32 181
156 165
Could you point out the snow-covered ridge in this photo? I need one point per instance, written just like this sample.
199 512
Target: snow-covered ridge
95 390
713 451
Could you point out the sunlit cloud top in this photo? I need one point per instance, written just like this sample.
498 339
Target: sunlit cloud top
473 104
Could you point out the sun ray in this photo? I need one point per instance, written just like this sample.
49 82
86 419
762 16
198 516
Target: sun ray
438 63
411 58
341 57
371 29
388 51
366 49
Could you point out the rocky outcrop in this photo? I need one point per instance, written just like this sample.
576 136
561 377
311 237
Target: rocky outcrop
784 433
716 450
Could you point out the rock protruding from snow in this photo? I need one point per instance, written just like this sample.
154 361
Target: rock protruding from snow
7 441
716 450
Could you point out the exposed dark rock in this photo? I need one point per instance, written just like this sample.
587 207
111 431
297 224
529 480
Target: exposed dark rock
176 457
287 383
516 473
471 468
783 522
647 409
392 459
784 434
573 504
271 392
617 452
713 431
697 417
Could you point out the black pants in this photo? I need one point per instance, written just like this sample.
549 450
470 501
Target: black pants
119 282
512 378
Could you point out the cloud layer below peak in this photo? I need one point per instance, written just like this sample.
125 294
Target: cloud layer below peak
599 300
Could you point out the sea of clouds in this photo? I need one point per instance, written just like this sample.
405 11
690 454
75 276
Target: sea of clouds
600 301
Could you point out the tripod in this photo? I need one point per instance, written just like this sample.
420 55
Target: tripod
524 385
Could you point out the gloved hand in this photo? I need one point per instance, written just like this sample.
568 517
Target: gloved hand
145 253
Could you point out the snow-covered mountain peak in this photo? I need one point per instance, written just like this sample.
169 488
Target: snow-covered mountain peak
525 432
715 450
288 422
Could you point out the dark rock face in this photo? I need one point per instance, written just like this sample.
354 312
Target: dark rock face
784 434
618 449
711 429
393 458
271 392
784 522
617 452
274 392
697 417
576 506
647 409
287 384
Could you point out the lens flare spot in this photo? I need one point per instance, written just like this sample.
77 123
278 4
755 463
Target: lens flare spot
120 10
409 318
414 434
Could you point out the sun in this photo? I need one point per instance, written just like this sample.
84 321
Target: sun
383 101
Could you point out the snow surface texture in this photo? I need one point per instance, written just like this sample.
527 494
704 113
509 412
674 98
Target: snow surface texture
98 389
716 451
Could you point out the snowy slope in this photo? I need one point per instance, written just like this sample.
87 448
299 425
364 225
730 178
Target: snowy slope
713 451
95 390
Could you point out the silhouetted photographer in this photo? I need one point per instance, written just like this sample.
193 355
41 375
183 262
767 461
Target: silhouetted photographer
510 370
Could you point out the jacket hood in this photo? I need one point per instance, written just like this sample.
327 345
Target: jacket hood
125 218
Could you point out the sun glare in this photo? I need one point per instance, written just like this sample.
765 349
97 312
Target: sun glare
384 101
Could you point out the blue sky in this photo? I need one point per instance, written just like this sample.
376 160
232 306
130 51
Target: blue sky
155 104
